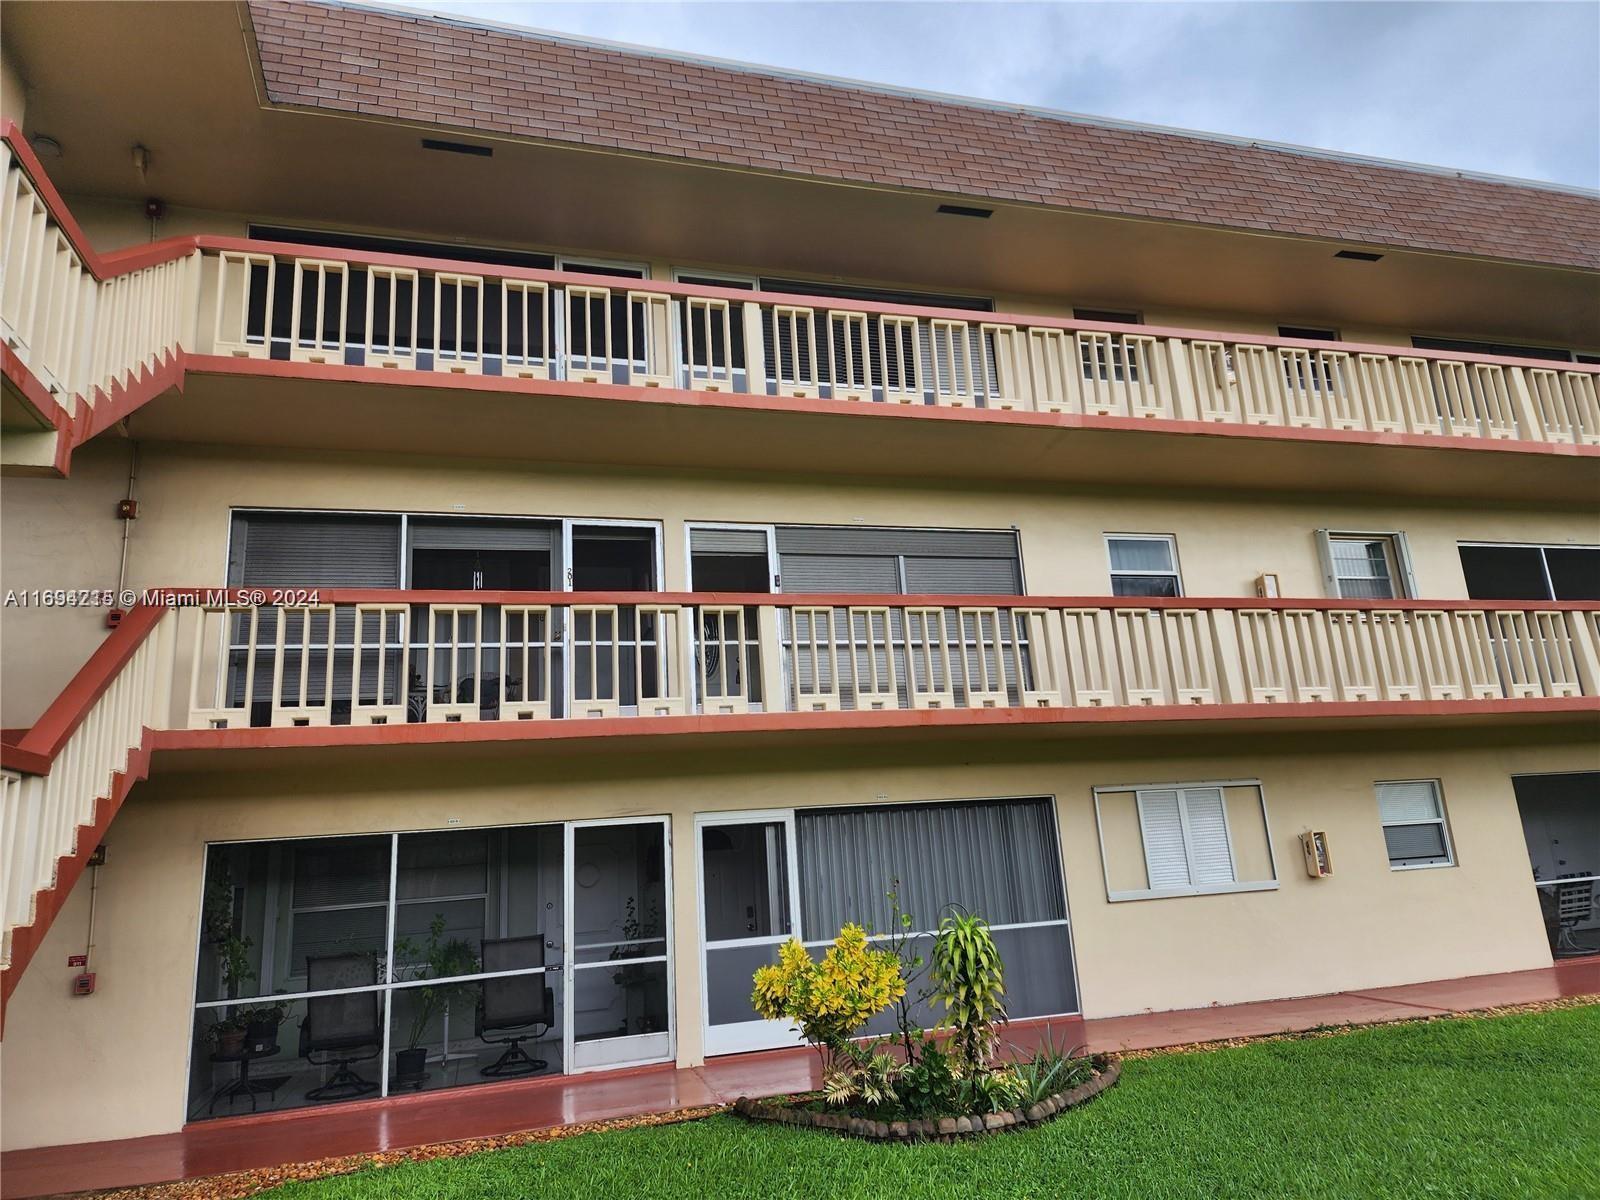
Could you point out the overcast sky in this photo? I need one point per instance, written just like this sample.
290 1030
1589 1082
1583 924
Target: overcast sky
1511 88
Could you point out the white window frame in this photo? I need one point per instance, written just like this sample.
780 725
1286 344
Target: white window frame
1402 579
1170 539
1208 889
1442 821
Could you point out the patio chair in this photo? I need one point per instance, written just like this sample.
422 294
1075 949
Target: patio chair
342 1030
518 1008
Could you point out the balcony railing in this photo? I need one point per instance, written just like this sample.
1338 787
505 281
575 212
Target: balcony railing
85 323
397 658
223 662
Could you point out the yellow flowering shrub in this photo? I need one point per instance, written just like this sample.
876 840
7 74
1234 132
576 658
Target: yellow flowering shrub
829 1000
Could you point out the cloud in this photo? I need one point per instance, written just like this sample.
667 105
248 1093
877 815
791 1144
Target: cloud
1510 88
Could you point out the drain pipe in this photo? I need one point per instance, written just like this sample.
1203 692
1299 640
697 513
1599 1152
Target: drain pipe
128 510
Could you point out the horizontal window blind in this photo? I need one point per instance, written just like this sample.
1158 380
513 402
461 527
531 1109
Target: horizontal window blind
880 559
479 535
727 541
1414 831
1185 833
313 550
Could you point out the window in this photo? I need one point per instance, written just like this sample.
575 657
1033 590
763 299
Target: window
1365 566
1308 333
1498 349
1414 828
826 558
1108 316
1511 572
1184 839
1143 564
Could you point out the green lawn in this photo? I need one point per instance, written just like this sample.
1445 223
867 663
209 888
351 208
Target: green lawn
1506 1106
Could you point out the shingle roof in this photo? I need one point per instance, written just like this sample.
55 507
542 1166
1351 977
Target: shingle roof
506 82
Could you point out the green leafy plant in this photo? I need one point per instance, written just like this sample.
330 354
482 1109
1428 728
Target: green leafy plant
992 1091
969 980
435 958
901 942
1051 1068
233 954
829 1001
865 1073
931 1084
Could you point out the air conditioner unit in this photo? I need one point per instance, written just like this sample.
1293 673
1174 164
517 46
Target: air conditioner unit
1267 585
1314 845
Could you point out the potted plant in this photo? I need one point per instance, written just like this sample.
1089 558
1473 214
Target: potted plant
635 978
227 1037
261 1025
435 958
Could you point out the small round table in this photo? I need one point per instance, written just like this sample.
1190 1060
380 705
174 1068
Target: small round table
242 1084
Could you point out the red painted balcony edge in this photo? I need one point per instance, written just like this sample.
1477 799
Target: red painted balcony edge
210 364
39 398
482 732
105 266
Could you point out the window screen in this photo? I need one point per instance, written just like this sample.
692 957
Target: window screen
856 559
997 859
1143 566
1531 572
1413 824
313 550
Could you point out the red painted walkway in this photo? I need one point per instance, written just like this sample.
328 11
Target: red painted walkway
215 1147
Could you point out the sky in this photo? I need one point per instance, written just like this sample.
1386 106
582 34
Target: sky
1507 88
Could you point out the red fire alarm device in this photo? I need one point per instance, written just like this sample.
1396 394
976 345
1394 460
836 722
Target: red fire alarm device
83 985
128 509
114 617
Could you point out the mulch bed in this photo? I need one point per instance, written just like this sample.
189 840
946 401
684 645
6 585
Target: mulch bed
241 1184
1107 1070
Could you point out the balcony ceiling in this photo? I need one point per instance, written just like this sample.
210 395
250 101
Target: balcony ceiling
178 80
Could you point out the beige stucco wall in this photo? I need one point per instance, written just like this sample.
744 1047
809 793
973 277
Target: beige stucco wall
13 91
66 534
114 1064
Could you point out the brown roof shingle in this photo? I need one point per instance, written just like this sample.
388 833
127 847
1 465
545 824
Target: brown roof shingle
381 63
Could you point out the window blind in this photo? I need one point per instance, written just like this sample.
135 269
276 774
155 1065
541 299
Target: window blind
447 534
313 550
867 559
1185 833
727 541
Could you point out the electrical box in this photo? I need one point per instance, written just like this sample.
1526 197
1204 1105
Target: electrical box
1267 585
1314 845
83 985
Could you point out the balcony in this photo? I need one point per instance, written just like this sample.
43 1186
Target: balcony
225 679
282 345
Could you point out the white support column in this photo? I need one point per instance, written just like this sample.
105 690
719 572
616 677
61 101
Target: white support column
755 355
1184 405
1230 663
774 696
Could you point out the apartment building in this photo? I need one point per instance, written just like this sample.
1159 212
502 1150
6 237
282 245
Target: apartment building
501 531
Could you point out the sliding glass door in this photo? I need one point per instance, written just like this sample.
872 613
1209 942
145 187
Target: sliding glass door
749 905
769 876
619 925
349 968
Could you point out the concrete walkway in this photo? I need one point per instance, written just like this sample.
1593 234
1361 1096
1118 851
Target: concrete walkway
401 1122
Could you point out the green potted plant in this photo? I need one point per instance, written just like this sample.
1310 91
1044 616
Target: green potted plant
635 978
437 957
227 1037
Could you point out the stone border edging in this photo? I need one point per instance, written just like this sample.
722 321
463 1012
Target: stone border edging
1108 1069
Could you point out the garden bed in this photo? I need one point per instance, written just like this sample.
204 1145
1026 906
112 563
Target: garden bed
1107 1070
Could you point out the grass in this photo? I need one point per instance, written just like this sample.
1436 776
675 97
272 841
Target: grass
1471 1107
